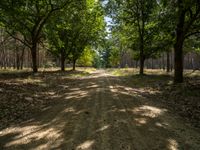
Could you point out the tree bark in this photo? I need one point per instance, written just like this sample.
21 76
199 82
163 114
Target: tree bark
178 46
62 61
142 65
178 59
22 59
74 65
17 59
163 61
168 62
171 59
142 57
34 57
152 63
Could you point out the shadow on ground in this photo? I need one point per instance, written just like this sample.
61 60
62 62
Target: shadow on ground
98 111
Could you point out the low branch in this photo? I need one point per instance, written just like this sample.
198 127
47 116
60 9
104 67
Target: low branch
16 38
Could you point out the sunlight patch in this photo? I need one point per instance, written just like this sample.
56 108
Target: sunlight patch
86 145
113 89
70 109
141 121
75 89
163 125
30 134
173 145
76 95
103 128
93 86
148 111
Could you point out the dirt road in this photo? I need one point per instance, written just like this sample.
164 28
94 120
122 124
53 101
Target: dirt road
101 112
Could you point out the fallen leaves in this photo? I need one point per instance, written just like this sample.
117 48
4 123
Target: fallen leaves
184 99
18 102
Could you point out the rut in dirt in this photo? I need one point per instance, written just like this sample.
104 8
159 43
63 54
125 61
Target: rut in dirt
101 112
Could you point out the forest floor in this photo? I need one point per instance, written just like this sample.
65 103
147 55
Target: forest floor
112 109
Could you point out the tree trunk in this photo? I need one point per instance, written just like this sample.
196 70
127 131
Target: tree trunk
171 58
34 57
178 46
142 65
62 62
163 61
152 63
22 59
168 62
178 59
142 58
74 65
17 59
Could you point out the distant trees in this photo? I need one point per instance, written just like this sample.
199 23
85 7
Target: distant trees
87 58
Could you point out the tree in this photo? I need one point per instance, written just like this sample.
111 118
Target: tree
87 58
28 19
137 17
186 23
77 27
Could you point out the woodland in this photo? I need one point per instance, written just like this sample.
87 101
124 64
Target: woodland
100 74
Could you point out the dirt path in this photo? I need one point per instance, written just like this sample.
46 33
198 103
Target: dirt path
101 112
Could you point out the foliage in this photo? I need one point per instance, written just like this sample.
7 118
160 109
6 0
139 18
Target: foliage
79 26
87 58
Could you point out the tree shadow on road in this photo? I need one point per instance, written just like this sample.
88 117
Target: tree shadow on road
104 112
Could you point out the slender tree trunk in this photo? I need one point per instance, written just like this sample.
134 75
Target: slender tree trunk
192 63
163 61
160 63
171 58
168 62
142 65
34 58
13 63
62 61
22 59
142 58
188 61
17 59
74 65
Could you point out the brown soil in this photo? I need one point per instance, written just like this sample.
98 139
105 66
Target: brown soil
99 112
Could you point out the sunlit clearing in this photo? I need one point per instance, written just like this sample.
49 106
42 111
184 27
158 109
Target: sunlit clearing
86 145
173 145
148 111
